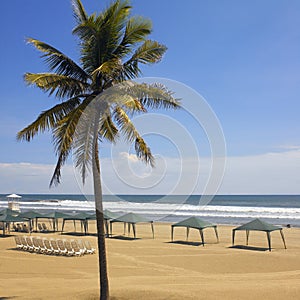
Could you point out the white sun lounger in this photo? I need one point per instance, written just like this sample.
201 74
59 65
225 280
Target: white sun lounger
30 244
36 246
41 245
48 247
62 248
81 246
19 244
89 248
70 251
76 249
55 247
24 243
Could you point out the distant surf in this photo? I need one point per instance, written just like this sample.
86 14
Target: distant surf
223 209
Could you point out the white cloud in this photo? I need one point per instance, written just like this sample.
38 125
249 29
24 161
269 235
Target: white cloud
270 173
289 147
30 178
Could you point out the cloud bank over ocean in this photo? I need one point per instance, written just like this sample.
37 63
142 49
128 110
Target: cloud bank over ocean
269 173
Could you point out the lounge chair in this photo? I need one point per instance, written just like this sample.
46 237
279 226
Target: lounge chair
55 248
89 248
40 228
77 250
62 247
48 247
25 228
70 251
24 243
19 244
41 245
45 229
81 246
36 246
30 244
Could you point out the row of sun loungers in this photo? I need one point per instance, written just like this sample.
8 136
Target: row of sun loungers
53 246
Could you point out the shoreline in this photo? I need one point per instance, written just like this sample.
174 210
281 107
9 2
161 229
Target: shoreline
231 210
158 269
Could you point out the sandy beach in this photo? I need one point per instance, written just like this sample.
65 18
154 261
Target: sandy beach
149 268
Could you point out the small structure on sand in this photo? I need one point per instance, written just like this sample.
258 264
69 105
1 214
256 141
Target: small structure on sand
259 225
13 202
195 223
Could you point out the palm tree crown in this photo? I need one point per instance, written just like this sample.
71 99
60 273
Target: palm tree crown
112 47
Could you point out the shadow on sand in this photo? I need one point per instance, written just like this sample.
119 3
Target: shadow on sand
5 236
123 237
78 234
249 248
196 244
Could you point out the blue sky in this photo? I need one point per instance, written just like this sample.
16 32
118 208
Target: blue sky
241 56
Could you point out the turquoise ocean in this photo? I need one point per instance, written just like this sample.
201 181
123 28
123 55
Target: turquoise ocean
222 209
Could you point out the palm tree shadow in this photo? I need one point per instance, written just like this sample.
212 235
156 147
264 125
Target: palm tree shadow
243 247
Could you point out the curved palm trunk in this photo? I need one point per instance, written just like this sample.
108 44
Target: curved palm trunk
104 287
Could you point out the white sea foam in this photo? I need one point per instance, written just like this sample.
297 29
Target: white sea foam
165 209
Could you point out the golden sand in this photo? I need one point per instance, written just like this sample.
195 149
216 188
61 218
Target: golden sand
149 268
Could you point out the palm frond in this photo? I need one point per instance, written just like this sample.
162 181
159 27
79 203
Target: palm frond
143 152
59 62
148 53
130 70
63 137
139 96
134 105
110 69
127 128
156 96
116 16
89 45
130 133
136 31
108 130
86 30
83 145
48 119
79 11
64 86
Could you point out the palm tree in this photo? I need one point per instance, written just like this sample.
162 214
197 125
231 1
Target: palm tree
97 96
